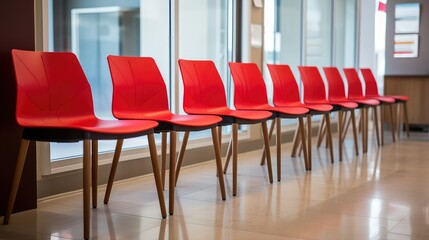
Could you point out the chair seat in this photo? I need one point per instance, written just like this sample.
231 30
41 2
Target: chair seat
191 120
361 101
115 126
251 115
287 110
383 99
400 98
181 120
365 101
311 107
342 104
94 125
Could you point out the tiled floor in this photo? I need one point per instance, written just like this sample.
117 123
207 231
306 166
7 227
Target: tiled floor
380 195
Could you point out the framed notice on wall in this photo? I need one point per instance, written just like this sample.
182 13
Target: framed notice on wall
406 46
407 24
407 18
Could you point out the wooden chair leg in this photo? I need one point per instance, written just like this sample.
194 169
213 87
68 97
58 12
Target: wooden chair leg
322 132
377 131
360 121
355 134
228 156
278 147
115 161
382 116
273 122
300 148
392 122
345 117
307 161
407 125
218 162
398 120
346 125
172 172
156 174
329 132
234 158
86 187
296 141
309 140
327 138
365 129
340 134
362 127
267 150
163 157
181 155
219 137
94 174
16 179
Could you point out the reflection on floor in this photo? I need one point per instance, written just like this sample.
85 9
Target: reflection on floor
379 195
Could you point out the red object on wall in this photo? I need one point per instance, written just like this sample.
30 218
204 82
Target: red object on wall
381 6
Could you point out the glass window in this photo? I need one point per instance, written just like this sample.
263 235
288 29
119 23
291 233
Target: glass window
318 50
283 35
283 39
310 32
204 33
155 35
93 30
97 28
289 32
345 33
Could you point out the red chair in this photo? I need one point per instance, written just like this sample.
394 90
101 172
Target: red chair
250 93
139 92
337 93
315 93
286 94
204 93
371 90
355 91
54 103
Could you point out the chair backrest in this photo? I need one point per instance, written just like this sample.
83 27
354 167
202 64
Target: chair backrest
285 87
314 87
203 86
355 85
250 90
138 87
52 90
335 83
371 88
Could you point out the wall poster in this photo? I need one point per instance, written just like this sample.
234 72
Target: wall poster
407 24
406 46
407 18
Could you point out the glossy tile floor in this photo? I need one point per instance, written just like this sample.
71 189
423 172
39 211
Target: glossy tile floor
383 194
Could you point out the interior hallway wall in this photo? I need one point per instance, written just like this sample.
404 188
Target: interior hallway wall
17 31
